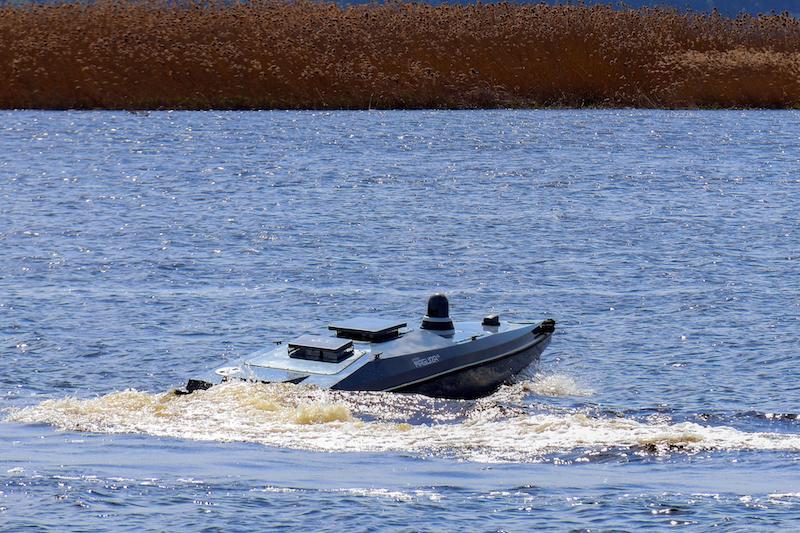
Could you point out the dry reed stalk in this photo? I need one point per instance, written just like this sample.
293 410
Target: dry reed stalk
124 54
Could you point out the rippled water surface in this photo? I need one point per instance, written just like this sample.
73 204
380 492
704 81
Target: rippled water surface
142 249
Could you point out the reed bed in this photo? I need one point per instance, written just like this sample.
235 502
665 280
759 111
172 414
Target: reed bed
262 54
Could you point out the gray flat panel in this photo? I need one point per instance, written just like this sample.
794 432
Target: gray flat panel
420 340
368 324
279 359
321 343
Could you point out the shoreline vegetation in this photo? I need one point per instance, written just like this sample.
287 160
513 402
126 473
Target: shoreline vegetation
274 54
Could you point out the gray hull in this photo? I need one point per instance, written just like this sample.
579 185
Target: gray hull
472 361
461 370
479 380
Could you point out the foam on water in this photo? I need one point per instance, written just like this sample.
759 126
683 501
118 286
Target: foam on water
309 418
555 385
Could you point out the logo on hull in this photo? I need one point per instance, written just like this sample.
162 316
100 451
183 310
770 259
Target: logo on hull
419 362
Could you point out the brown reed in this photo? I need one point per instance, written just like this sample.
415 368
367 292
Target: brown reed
189 54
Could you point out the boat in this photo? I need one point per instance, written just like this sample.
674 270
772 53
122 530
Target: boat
439 358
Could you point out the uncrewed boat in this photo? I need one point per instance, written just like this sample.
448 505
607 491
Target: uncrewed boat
440 358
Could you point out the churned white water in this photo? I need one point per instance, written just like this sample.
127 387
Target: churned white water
295 416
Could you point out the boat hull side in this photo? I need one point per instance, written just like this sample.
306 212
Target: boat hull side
479 380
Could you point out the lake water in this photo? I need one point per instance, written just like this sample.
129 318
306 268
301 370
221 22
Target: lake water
142 249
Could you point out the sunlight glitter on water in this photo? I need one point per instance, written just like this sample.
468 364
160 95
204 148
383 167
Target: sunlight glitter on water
663 242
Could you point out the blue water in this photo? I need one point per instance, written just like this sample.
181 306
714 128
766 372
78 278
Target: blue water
142 249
